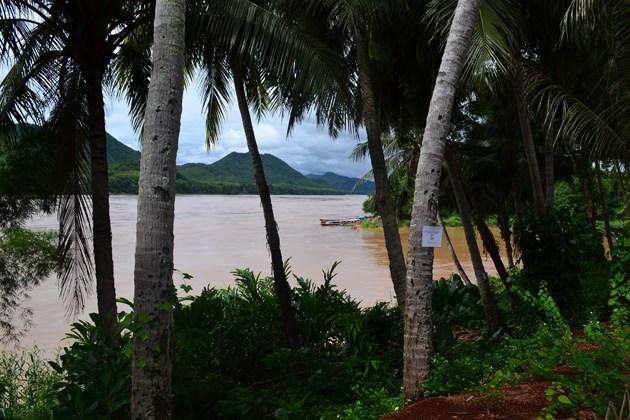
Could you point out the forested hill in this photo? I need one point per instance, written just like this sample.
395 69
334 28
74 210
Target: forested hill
345 183
233 174
119 153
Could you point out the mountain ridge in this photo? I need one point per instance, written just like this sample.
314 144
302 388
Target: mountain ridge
232 174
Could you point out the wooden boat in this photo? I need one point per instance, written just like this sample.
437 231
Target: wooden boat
340 222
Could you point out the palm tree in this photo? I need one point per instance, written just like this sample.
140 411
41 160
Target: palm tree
153 275
64 54
379 40
283 290
270 61
417 315
491 311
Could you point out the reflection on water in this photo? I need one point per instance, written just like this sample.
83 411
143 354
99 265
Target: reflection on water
215 234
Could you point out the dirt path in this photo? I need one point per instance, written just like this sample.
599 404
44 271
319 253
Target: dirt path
514 402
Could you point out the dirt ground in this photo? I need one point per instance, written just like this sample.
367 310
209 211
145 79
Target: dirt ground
514 402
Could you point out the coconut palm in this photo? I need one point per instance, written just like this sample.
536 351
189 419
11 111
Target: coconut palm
417 315
386 46
63 54
153 274
270 60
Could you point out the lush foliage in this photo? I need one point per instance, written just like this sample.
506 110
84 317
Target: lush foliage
557 250
26 258
26 387
94 374
230 360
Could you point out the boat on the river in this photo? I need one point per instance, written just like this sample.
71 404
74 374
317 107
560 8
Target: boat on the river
352 221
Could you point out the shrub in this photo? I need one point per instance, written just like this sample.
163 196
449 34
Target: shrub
619 301
26 258
556 249
27 390
95 375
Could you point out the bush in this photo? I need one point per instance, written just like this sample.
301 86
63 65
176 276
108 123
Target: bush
26 258
619 301
556 250
230 357
95 375
27 389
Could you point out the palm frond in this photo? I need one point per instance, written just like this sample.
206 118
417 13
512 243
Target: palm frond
580 124
494 43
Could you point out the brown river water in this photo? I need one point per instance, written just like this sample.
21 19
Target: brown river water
214 234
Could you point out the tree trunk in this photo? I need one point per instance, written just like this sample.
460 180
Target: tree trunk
490 245
383 194
587 183
283 291
451 250
418 337
506 235
550 180
151 396
101 225
602 202
528 144
490 310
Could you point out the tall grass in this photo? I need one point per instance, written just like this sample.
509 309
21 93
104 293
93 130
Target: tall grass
27 386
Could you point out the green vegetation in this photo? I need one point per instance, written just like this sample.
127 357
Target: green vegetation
230 360
26 259
525 124
27 387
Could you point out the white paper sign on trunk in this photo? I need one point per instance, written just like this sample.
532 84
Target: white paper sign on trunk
431 236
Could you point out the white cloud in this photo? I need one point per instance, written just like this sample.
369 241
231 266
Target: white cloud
309 149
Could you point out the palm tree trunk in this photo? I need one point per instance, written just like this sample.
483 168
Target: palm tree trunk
101 225
602 201
587 184
549 172
384 200
490 245
151 396
506 235
451 250
283 291
491 312
418 337
528 144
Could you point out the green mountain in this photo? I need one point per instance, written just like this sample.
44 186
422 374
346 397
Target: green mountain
233 174
344 183
119 153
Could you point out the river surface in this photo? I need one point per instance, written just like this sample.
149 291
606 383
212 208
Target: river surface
214 234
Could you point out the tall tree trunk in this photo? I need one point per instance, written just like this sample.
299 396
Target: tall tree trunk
283 291
101 225
151 395
622 185
384 201
587 181
490 310
550 180
418 337
506 234
451 250
528 144
604 205
490 245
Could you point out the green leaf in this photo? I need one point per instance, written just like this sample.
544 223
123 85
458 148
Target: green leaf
564 399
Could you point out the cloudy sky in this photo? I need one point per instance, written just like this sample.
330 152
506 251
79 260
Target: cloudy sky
309 149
